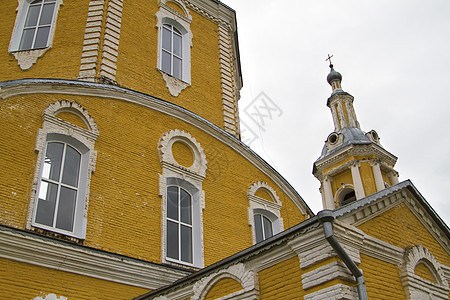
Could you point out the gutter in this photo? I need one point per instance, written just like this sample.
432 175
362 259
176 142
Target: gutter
326 218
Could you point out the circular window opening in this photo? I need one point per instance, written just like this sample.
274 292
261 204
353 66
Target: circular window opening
375 135
332 138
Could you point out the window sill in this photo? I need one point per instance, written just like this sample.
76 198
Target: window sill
27 58
173 84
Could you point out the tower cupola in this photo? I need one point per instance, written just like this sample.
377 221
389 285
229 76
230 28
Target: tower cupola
353 164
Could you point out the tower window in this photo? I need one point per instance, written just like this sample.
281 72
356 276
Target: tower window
346 196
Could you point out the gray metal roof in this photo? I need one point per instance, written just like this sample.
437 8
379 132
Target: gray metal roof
352 136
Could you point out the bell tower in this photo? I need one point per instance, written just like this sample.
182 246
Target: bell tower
353 164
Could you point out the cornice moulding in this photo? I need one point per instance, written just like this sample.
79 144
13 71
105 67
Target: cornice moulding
75 259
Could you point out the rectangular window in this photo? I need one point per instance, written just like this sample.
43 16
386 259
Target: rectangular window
179 224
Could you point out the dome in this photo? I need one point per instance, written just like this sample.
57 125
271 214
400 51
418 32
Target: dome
351 135
333 75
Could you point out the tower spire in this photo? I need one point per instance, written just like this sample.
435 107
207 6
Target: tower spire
353 164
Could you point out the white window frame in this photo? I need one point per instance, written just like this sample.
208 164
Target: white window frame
56 129
81 188
270 209
417 287
272 218
167 15
188 178
26 58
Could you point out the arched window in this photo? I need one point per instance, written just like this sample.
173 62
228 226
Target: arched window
37 25
33 30
265 224
66 160
183 200
346 196
174 45
60 194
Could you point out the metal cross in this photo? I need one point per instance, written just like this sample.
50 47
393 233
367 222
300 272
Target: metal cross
329 59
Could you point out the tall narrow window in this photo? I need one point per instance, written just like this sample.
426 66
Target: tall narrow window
62 175
37 26
179 224
263 227
171 52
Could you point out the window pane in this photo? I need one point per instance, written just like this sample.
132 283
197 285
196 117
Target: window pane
47 14
186 244
166 65
167 39
42 37
176 67
27 39
172 240
185 207
66 208
46 203
36 1
52 161
172 202
71 167
258 228
176 30
33 15
267 228
177 45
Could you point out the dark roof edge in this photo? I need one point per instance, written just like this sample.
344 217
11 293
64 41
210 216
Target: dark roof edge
172 105
407 184
243 255
33 235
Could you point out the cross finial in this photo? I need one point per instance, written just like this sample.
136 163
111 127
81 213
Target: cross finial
329 59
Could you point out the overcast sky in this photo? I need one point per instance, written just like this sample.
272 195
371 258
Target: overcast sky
394 59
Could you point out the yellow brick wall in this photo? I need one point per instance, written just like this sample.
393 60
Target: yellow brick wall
124 200
401 228
222 288
137 63
366 172
382 279
25 281
422 271
137 60
60 61
282 281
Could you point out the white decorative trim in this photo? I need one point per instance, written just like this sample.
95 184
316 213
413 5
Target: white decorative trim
183 23
173 84
192 176
229 98
247 279
50 297
165 151
27 58
335 292
331 271
381 250
82 261
110 50
415 286
51 124
257 203
164 108
91 42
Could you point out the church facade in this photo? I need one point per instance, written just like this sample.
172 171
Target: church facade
124 176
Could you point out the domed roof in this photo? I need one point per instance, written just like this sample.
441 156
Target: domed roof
333 75
352 136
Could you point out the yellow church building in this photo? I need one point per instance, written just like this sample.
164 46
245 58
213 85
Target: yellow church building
124 176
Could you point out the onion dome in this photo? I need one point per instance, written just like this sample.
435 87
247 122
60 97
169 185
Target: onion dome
333 75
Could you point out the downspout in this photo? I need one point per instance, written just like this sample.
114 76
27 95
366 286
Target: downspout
326 218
